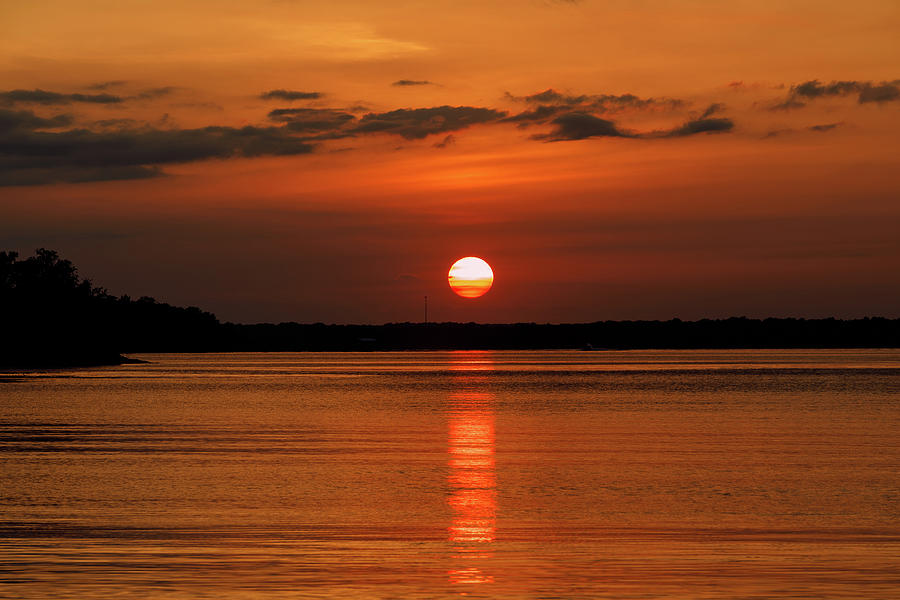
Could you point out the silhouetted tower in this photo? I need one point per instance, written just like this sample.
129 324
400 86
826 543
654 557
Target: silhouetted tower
426 310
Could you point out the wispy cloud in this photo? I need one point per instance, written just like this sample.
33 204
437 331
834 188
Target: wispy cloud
410 82
417 123
865 92
825 127
45 97
28 156
290 95
105 85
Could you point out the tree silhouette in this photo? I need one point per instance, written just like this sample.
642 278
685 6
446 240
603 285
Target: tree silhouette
50 316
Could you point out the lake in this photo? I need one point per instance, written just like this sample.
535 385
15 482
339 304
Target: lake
740 474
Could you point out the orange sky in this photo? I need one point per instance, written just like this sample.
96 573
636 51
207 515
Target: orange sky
610 160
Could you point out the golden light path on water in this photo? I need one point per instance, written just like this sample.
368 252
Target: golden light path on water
472 472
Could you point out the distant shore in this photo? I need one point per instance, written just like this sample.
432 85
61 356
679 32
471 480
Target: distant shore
67 362
733 333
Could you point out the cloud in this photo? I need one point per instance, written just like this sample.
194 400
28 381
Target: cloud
34 157
788 104
129 149
818 128
44 97
776 133
11 120
201 105
549 96
417 123
310 119
701 126
814 89
597 103
576 116
579 126
117 123
289 95
409 123
540 114
712 109
866 92
410 82
105 85
33 149
885 92
447 141
825 127
156 92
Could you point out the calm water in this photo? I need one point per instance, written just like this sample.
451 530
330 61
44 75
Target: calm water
701 474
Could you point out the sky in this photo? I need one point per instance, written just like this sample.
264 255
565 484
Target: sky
279 160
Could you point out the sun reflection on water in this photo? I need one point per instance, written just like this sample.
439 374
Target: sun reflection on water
472 475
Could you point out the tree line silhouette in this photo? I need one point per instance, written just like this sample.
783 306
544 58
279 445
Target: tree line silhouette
51 317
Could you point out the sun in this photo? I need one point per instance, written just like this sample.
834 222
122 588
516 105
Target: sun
470 277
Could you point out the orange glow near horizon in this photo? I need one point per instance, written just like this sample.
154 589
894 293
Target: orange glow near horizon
470 277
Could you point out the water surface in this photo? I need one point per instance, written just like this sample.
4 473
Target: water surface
666 474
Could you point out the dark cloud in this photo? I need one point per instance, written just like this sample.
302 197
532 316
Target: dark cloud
597 103
311 119
156 92
885 92
117 123
788 104
818 128
712 109
550 96
125 148
776 133
540 114
105 85
11 120
582 124
447 141
81 155
865 91
701 126
45 97
825 127
416 123
409 82
814 89
576 116
289 95
579 126
201 105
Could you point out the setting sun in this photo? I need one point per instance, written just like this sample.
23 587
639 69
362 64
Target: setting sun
470 277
